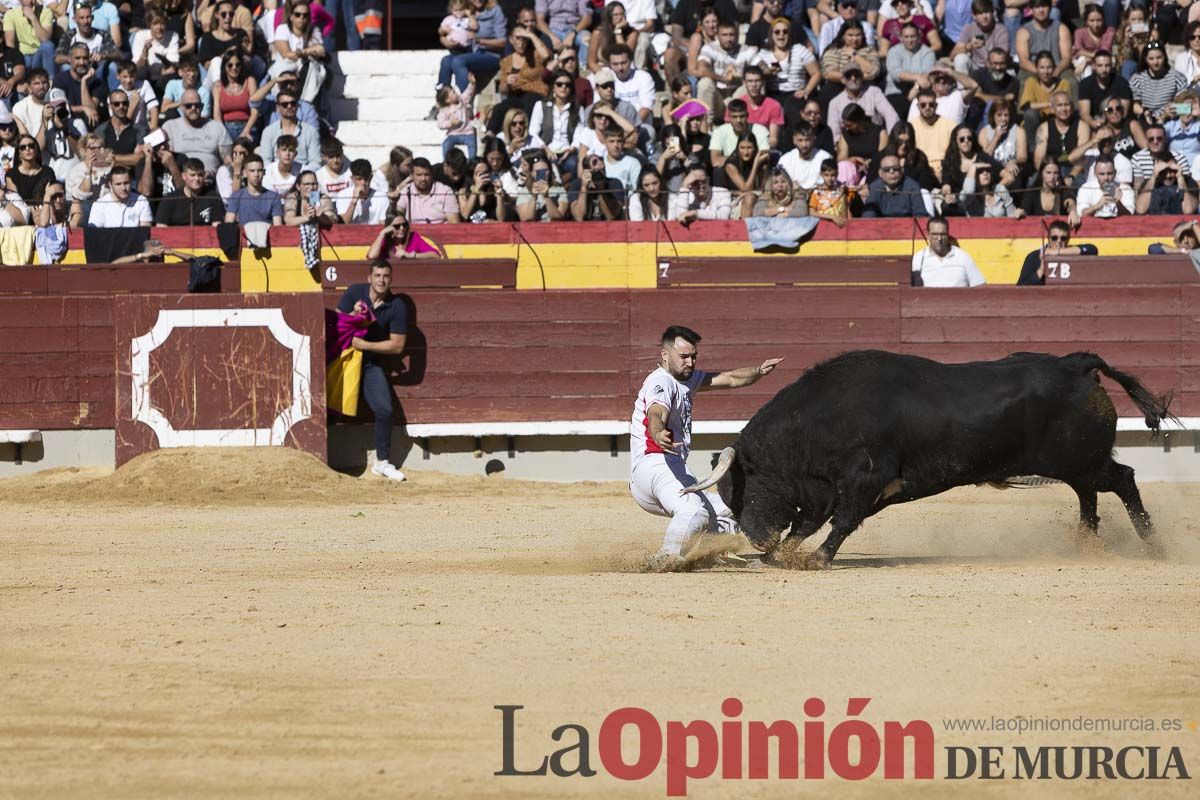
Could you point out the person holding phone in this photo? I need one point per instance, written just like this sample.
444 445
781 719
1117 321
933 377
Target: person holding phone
306 204
979 37
540 197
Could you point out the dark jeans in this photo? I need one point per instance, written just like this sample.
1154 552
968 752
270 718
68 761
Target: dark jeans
378 393
483 64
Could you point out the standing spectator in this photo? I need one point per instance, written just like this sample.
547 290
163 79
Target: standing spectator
196 137
120 206
335 174
484 59
721 66
791 69
942 264
190 204
979 37
281 174
555 121
189 78
1103 86
566 22
932 131
84 89
425 201
1042 34
231 176
231 96
300 45
29 27
893 194
906 64
456 118
1102 197
54 218
1005 144
307 136
1156 83
360 203
1090 39
594 195
803 162
847 50
699 199
725 138
253 202
868 98
652 200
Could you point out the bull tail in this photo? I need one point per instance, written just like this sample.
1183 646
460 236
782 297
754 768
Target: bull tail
1156 408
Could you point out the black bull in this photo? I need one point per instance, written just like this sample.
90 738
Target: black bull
867 429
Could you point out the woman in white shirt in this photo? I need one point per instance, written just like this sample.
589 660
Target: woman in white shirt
299 44
650 202
155 49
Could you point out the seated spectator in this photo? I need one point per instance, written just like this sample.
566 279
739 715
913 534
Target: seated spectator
1183 126
651 201
889 30
307 136
984 196
614 29
860 143
1156 149
306 204
230 176
527 18
189 78
790 68
813 113
86 179
847 15
1155 84
453 171
481 201
617 164
120 134
932 131
120 206
397 239
1103 87
1059 137
181 20
589 139
334 175
721 65
636 87
554 121
1185 239
424 200
191 204
803 162
1005 144
913 163
456 118
942 264
1058 245
30 28
53 218
299 44
1101 196
567 22
458 29
155 49
725 138
1133 35
515 134
606 92
222 33
745 174
703 32
1048 196
105 17
568 62
539 197
1165 192
1038 92
671 158
848 48
100 44
1043 34
143 101
642 16
281 174
231 103
86 93
763 16
869 99
253 202
951 99
699 199
1093 37
1187 63
28 177
1131 134
29 113
196 137
286 81
594 195
521 85
996 81
58 138
779 198
501 172
1103 144
893 194
979 38
360 203
484 58
906 64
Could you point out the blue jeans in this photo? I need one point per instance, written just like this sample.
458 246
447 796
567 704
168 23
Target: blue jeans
1012 22
378 393
234 129
568 35
44 58
346 10
467 140
481 63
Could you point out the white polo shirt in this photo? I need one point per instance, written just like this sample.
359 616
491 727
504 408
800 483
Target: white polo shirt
955 269
108 213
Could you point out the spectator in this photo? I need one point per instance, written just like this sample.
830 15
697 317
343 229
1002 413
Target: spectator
181 20
99 43
253 202
1102 87
720 67
120 206
424 200
1187 63
454 169
298 44
527 19
951 100
501 174
1183 126
979 37
1101 196
307 136
223 34
606 92
1185 240
780 198
1043 34
813 113
846 50
803 162
515 134
893 194
1005 144
458 28
306 204
397 239
554 121
189 78
1059 136
614 29
30 112
869 99
830 198
997 83
763 16
53 218
790 67
1048 196
725 138
1165 193
1058 245
231 176
984 196
58 138
687 19
1156 83
143 102
281 174
87 178
699 199
913 163
860 143
762 110
539 197
120 135
521 84
12 71
1132 36
481 201
484 58
642 16
954 16
1156 149
617 165
190 204
361 203
1131 135
566 22
1103 143
671 157
334 175
155 49
456 118
1038 92
932 131
196 137
29 27
285 82
1090 39
832 31
231 95
85 91
943 264
651 202
601 118
568 62
889 31
28 177
594 195
635 87
745 173
704 34
906 65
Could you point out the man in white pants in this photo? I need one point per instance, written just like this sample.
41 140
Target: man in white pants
660 438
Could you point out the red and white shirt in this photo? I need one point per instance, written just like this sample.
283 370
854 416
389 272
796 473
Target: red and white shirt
661 388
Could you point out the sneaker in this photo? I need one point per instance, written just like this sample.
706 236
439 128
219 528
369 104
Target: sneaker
385 469
733 560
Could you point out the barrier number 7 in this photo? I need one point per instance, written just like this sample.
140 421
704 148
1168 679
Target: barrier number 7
1058 269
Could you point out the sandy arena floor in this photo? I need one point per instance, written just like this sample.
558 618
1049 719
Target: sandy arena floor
241 625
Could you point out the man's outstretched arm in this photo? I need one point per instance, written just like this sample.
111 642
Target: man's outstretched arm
737 378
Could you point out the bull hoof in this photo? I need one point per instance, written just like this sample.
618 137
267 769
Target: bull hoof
818 560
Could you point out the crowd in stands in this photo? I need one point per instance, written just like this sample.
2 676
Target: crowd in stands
680 110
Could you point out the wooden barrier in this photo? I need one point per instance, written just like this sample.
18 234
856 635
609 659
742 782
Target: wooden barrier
465 273
783 271
1076 270
107 279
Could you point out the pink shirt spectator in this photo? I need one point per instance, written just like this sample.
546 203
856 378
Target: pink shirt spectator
416 244
891 28
459 30
1084 43
427 209
455 119
768 114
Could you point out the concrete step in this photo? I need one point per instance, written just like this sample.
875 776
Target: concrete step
381 110
378 155
381 62
405 86
366 132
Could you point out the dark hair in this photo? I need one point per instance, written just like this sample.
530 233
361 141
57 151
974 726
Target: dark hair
982 6
456 159
420 161
38 72
854 113
361 168
1043 55
252 158
331 147
493 145
644 200
120 169
238 54
620 50
938 220
737 107
193 165
925 91
287 140
803 127
674 332
829 164
1060 225
849 25
744 168
244 141
381 263
753 69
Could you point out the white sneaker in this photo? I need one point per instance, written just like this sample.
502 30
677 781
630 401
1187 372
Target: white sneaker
386 469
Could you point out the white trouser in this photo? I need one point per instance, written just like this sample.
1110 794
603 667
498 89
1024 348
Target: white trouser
655 486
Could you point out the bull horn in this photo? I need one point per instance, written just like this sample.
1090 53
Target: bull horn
724 462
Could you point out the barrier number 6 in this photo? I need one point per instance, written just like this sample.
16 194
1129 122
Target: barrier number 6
331 274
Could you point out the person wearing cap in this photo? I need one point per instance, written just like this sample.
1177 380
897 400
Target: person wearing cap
869 98
847 10
58 137
951 100
605 81
1043 34
906 64
29 27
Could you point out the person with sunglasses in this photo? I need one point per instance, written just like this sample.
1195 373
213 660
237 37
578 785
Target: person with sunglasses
554 121
1184 239
1058 245
53 218
397 239
1101 89
1157 149
299 44
568 62
120 134
307 136
1155 84
232 106
197 137
1167 192
29 177
893 194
